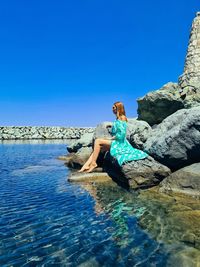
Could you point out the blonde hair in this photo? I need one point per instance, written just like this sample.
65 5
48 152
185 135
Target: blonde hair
120 110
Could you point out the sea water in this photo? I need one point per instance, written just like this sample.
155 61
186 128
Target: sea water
47 221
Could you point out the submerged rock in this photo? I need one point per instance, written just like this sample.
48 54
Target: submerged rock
176 141
95 176
185 180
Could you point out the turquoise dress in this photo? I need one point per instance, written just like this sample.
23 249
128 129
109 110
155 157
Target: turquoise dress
120 148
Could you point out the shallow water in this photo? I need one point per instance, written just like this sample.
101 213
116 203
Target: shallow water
47 221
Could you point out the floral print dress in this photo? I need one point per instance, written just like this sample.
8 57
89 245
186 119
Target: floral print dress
120 148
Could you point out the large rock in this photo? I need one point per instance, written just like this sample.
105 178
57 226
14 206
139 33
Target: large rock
138 132
143 173
155 106
76 160
103 130
85 141
176 141
185 180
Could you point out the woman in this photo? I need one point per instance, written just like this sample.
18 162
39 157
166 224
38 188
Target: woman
118 145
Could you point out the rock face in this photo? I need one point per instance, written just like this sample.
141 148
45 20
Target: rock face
155 106
176 141
103 130
185 180
86 140
138 132
76 160
191 75
136 174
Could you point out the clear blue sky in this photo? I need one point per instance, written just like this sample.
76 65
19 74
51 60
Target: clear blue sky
64 63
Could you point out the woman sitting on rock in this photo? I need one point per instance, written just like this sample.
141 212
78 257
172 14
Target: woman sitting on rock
118 145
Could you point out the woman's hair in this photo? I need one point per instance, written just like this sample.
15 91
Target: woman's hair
120 109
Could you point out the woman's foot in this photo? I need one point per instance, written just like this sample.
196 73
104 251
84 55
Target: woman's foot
92 167
84 168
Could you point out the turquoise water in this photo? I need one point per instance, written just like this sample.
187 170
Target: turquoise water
47 221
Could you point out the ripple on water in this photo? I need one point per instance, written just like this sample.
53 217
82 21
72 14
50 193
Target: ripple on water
44 220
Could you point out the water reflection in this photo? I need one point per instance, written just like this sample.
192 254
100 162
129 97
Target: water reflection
170 220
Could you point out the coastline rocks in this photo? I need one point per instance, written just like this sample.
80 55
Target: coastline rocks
155 106
103 130
138 132
143 173
176 141
89 177
85 141
185 180
76 160
37 132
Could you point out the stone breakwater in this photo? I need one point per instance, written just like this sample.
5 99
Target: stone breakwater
37 132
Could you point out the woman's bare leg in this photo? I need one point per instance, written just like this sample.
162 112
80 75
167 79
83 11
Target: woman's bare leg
99 143
86 166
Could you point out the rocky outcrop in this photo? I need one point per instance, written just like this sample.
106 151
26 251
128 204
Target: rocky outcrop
34 132
176 141
85 141
138 132
76 160
137 174
103 130
185 180
155 106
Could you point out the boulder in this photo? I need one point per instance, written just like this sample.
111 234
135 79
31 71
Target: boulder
85 141
76 160
176 141
185 180
143 173
156 105
103 130
138 132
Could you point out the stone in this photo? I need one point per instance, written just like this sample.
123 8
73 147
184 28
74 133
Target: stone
76 160
89 177
191 75
37 132
156 105
138 174
138 132
185 180
85 141
176 141
103 130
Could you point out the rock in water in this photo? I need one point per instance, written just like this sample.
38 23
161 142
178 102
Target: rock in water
185 180
89 177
